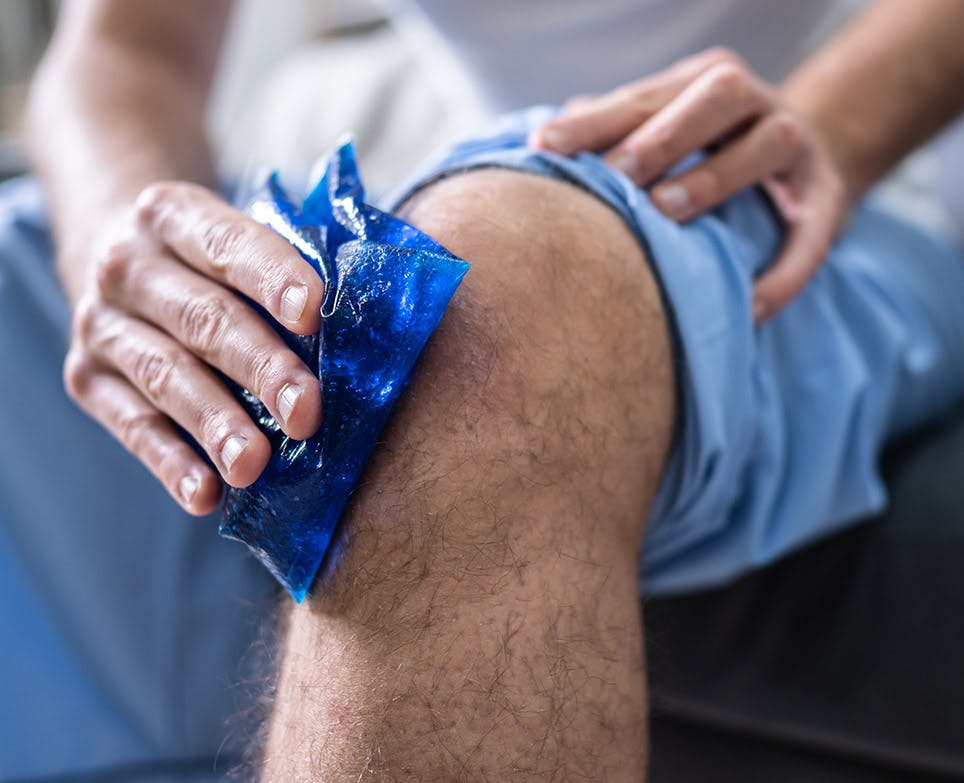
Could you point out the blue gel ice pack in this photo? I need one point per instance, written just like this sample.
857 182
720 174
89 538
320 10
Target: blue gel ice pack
386 287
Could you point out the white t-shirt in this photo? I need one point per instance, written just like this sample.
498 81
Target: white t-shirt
520 52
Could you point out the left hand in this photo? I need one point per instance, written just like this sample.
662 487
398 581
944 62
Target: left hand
712 102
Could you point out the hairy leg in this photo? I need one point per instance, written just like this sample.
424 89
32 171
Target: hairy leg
481 620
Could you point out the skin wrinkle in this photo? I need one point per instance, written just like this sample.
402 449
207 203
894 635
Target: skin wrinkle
479 620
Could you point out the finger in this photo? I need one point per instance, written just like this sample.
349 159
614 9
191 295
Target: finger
228 246
599 122
769 147
711 107
806 246
217 327
146 433
181 386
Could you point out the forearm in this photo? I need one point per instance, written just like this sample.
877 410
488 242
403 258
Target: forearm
107 117
885 84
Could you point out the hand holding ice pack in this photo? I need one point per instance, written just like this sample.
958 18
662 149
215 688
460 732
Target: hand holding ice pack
386 287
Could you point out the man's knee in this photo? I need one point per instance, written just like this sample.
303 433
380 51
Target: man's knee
559 301
531 240
549 379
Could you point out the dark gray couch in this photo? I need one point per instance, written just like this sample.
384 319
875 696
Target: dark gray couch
843 663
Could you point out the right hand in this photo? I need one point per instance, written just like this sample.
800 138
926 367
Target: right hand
713 103
162 311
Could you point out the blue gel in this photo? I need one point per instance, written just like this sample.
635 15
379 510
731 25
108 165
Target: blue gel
386 288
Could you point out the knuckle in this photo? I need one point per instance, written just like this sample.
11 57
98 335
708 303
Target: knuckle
202 321
730 82
76 375
155 199
153 372
214 425
113 264
638 96
85 318
264 369
172 460
289 367
134 428
222 241
268 372
271 281
790 132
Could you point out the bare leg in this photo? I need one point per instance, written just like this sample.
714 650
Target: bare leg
482 622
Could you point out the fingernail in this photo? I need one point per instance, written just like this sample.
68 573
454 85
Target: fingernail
293 302
188 487
232 449
626 162
673 199
287 399
555 139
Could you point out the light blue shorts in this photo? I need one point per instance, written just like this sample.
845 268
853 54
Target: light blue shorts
781 427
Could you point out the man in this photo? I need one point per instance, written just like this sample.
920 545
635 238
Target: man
598 369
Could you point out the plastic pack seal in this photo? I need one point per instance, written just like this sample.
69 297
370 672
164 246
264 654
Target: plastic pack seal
387 286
